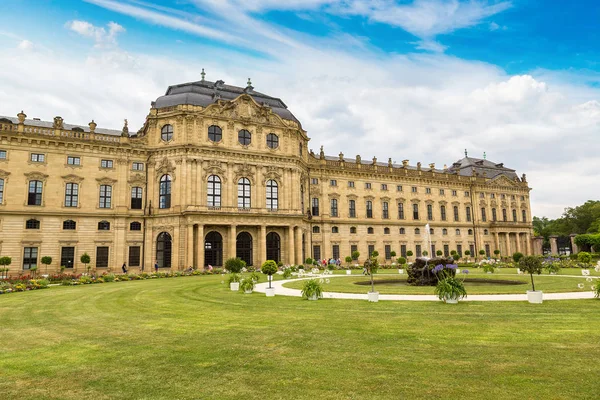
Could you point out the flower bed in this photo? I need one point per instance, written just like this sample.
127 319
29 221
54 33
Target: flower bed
22 285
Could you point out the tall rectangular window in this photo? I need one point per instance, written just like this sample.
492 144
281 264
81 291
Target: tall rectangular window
369 209
429 212
432 250
468 211
483 216
1 191
415 211
403 250
443 212
34 197
418 250
2 154
214 191
30 256
488 253
472 250
523 212
388 252
272 194
317 252
456 217
353 248
315 207
504 216
334 208
336 251
134 256
371 249
102 257
400 210
136 198
385 211
494 216
414 189
105 196
459 249
446 250
67 257
71 195
352 209
514 213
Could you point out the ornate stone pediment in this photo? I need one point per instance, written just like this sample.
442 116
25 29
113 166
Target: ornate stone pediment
106 181
502 180
4 174
246 110
352 196
443 202
214 168
400 200
385 199
244 171
164 166
137 179
272 173
36 176
72 178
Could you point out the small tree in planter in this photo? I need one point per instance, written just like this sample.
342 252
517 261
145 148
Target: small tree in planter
439 253
355 254
269 267
247 285
308 262
456 256
46 261
401 262
4 263
482 253
517 257
425 253
409 254
348 261
532 265
85 260
392 255
496 254
312 289
234 266
371 267
467 254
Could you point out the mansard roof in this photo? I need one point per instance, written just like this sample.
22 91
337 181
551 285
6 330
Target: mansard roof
204 93
50 124
466 165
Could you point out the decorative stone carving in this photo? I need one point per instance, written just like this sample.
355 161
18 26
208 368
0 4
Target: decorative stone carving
244 171
214 168
36 176
4 174
272 173
244 109
72 178
137 179
106 181
58 123
164 167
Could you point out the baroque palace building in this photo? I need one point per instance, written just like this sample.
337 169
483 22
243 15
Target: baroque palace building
219 171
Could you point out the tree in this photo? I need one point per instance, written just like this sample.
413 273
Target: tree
308 261
517 257
5 262
269 267
46 261
235 265
355 255
85 259
482 253
425 253
392 254
531 265
348 260
439 253
409 254
374 254
496 253
401 260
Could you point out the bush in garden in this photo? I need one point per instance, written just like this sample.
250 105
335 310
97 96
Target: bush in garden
517 256
420 273
235 265
584 257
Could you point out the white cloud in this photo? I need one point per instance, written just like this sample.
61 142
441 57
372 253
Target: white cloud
103 37
422 107
25 45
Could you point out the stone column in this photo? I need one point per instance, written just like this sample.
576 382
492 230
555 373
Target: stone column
190 246
508 249
200 246
291 253
232 241
553 245
538 242
262 244
528 244
496 242
298 237
574 247
518 235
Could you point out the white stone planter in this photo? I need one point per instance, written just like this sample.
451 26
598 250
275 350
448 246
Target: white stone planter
234 286
451 300
270 292
348 272
373 297
313 297
248 291
536 297
400 270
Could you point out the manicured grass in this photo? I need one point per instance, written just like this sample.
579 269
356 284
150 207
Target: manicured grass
546 283
192 338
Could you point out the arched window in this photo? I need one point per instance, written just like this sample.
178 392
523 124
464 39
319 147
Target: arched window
164 248
104 226
504 216
352 229
457 232
386 231
370 230
444 231
514 213
443 212
273 246
214 191
272 194
335 229
164 192
369 209
213 249
166 133
215 134
316 229
244 137
456 217
243 247
35 193
523 212
402 231
417 231
429 212
415 211
272 140
244 193
71 195
135 226
69 224
352 209
32 224
385 212
486 232
470 232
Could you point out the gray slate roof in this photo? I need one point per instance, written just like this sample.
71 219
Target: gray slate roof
50 124
204 93
491 169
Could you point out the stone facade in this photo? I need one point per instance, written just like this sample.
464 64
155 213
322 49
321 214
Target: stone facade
205 180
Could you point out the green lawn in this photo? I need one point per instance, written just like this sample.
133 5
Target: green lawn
546 283
192 338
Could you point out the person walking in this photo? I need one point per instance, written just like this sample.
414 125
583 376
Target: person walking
156 266
124 267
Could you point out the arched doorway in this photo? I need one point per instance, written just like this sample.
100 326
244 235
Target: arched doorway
164 248
273 247
213 249
243 247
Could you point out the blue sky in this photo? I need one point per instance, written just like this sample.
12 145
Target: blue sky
414 79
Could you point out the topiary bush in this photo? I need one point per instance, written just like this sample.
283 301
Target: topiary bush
235 265
517 256
531 265
584 257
